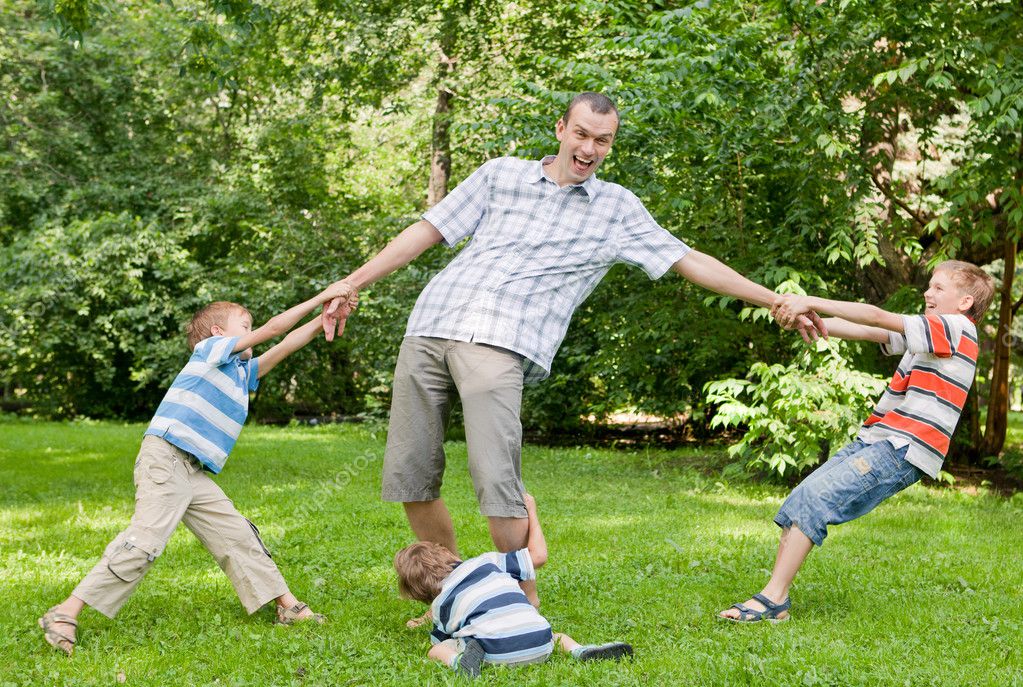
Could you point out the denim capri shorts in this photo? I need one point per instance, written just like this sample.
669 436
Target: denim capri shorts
849 485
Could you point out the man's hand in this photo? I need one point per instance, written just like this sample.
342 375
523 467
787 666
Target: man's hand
794 312
338 293
334 320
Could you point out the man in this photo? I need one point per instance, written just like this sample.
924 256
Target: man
543 234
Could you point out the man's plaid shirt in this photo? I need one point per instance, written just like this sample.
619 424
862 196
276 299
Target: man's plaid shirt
536 252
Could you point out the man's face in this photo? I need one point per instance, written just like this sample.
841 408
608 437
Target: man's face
943 297
585 141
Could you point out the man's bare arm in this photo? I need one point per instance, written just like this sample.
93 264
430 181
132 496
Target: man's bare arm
412 242
710 273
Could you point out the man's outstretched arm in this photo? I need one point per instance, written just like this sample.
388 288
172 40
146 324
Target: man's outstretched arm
403 249
710 273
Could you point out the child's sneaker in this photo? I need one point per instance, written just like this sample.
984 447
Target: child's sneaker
470 662
612 651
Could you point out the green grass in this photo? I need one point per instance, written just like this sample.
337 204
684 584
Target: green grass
645 547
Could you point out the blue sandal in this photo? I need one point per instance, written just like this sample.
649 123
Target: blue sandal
770 613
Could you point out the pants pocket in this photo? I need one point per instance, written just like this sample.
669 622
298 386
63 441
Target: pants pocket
132 559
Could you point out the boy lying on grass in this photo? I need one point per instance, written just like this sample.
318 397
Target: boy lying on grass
909 432
189 438
480 614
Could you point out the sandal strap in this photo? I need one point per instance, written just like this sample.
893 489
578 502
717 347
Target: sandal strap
61 637
772 607
747 613
54 617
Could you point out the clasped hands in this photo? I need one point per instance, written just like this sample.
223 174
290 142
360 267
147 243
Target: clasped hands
344 298
794 312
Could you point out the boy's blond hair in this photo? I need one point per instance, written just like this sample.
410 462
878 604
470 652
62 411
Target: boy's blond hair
213 314
971 280
421 570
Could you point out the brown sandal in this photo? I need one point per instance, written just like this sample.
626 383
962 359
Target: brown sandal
290 616
58 640
424 619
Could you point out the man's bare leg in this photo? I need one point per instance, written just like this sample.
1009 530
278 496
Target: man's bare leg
793 549
430 521
511 534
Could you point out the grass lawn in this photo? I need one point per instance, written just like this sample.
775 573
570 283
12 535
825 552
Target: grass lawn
644 547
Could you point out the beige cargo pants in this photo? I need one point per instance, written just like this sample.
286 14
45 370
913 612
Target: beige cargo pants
171 487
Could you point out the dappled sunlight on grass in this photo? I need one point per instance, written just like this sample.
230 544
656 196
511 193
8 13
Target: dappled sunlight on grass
644 546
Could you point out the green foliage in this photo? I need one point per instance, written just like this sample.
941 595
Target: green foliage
837 148
795 415
91 312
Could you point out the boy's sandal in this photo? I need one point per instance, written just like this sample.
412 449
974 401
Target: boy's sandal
58 640
612 651
290 616
770 613
470 662
421 620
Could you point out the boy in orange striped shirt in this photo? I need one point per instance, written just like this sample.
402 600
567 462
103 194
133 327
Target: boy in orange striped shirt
906 436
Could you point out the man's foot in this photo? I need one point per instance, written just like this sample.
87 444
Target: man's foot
760 607
299 613
60 630
420 621
470 662
612 651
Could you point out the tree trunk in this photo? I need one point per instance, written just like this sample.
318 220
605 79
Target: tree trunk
440 145
440 149
998 402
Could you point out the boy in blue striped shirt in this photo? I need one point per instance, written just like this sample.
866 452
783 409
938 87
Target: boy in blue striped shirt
189 438
480 613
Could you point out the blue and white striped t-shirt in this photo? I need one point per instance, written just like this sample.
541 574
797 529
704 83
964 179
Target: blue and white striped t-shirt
481 598
205 408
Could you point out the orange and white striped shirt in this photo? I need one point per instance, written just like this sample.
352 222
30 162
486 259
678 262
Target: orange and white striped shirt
923 402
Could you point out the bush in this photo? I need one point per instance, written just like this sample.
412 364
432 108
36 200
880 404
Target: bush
795 414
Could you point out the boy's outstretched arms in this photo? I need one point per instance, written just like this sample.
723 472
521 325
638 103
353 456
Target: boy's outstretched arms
850 331
299 337
283 323
536 543
789 308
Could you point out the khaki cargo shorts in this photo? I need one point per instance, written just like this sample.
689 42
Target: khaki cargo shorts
429 374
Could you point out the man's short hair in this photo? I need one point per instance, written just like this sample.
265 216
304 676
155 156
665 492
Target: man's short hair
598 102
970 279
213 314
421 570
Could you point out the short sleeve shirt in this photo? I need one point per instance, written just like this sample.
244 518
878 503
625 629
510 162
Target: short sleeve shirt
535 251
204 409
922 404
481 599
